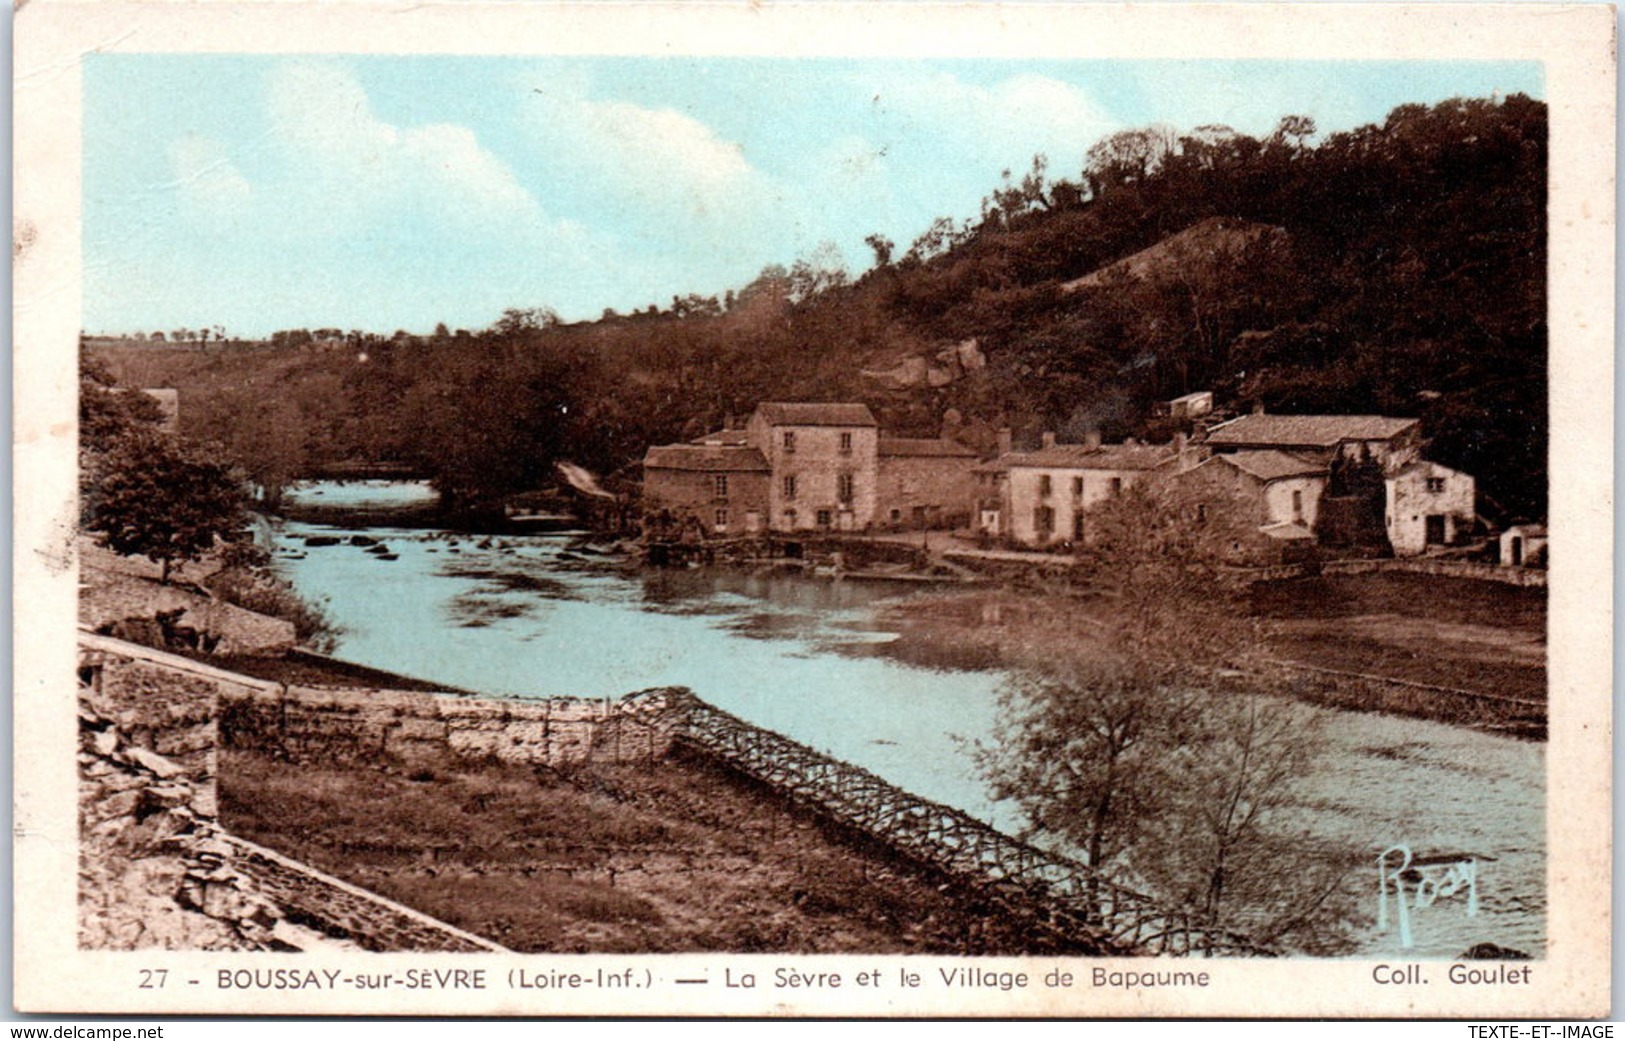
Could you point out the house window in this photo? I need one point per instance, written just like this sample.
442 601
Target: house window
1044 488
846 442
722 486
1297 505
789 440
1201 513
722 519
1116 486
823 518
789 486
1435 485
844 487
896 516
1077 487
1044 520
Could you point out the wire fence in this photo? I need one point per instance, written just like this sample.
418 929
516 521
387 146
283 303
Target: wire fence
1062 895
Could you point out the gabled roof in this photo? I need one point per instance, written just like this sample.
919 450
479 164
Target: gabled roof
723 437
1084 457
1268 464
1272 431
815 414
1428 467
1287 530
933 447
705 458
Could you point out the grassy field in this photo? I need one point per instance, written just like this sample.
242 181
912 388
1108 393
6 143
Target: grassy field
1483 638
673 856
1461 633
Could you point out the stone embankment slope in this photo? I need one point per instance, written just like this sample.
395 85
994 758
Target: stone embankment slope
123 596
156 869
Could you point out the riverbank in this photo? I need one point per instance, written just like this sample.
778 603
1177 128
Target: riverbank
1451 650
675 855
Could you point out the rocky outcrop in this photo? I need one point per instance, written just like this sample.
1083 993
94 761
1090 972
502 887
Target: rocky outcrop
933 370
153 871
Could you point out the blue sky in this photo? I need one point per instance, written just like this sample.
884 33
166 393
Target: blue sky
269 192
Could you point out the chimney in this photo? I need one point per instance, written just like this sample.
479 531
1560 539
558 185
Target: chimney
1091 440
1258 408
1004 440
1049 439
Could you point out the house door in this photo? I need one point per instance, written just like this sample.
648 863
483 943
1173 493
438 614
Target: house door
1517 551
1435 529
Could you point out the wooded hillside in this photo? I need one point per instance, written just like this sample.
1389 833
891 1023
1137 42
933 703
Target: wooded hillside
1395 269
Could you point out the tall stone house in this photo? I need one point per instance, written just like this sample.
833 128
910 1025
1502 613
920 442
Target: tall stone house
798 466
1427 504
824 459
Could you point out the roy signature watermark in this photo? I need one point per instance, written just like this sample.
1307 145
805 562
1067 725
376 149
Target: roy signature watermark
1408 883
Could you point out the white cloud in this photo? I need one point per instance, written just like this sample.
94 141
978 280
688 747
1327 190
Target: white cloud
325 123
1003 124
657 169
208 183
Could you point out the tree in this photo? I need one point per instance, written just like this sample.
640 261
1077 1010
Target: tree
524 320
882 247
1124 736
159 498
1219 847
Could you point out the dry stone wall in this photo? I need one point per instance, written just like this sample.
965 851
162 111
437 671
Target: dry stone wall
155 868
332 725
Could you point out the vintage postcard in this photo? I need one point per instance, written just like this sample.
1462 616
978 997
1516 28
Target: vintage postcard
813 510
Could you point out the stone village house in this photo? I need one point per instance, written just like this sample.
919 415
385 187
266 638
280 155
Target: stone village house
1049 492
1276 485
807 466
1260 489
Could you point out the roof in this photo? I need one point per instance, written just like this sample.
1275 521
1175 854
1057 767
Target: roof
940 447
723 437
815 414
1428 467
1271 465
1535 531
1272 431
1287 530
729 458
1084 457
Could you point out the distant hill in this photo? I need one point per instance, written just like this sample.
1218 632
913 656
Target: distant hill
1394 269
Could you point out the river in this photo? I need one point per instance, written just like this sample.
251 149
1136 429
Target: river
526 616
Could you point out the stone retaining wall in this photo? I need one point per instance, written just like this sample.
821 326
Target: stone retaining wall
331 725
1512 576
155 868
